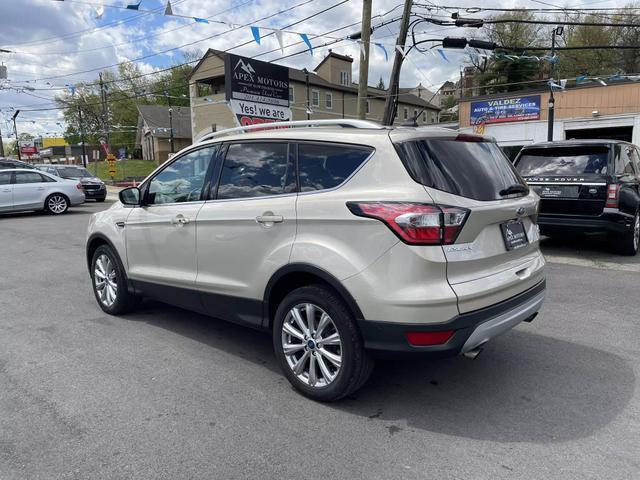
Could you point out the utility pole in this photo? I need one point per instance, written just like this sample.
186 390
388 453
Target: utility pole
394 82
103 97
15 131
363 78
84 148
551 113
306 75
166 94
1 145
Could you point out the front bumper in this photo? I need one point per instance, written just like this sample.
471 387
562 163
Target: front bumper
471 329
97 193
610 221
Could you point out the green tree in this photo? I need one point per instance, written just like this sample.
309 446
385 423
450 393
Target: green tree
588 61
381 84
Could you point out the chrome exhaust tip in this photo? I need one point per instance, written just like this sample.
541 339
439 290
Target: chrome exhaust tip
473 353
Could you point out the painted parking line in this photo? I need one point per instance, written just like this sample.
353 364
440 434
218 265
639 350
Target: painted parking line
599 264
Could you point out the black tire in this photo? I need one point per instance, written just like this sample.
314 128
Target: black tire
356 365
56 204
124 301
627 243
100 200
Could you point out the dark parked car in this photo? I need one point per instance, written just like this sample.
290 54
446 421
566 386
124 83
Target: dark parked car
7 163
93 187
586 186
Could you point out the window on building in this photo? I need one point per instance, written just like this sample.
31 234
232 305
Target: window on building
368 106
344 78
424 117
291 96
328 101
405 114
327 166
315 98
415 113
256 170
434 117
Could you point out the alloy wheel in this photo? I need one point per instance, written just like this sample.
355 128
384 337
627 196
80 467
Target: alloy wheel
57 204
636 231
105 280
311 344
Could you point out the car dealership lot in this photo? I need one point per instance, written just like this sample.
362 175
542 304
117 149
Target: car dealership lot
165 393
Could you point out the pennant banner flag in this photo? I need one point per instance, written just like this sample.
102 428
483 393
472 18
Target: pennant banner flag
384 50
168 10
278 34
134 6
201 20
256 34
99 12
305 39
441 52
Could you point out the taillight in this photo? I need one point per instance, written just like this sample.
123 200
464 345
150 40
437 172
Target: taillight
612 195
79 186
416 223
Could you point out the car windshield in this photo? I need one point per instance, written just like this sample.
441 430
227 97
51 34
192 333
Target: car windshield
563 161
73 172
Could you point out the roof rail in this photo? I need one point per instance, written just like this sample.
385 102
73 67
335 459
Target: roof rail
344 123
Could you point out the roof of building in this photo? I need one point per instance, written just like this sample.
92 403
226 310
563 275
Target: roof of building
315 80
156 117
333 55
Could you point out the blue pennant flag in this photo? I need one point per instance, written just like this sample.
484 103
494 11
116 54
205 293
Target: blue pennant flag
581 78
201 20
134 6
444 57
305 39
386 54
256 34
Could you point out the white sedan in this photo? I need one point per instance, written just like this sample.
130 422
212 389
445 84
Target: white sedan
22 189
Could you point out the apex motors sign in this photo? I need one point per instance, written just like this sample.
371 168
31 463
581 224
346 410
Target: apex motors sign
257 92
515 109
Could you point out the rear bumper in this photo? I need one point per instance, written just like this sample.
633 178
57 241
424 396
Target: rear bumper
95 194
471 329
610 221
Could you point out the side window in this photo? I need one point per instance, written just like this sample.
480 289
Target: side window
182 180
626 166
256 170
5 178
327 166
635 157
29 177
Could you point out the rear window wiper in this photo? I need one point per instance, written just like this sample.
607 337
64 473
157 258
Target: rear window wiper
513 189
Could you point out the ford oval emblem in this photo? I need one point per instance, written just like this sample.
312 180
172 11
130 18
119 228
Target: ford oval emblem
520 211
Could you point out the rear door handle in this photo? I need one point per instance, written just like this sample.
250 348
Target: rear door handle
270 219
179 220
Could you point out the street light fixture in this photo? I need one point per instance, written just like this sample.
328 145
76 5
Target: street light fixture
15 131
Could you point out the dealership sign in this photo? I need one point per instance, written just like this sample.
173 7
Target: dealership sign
514 109
257 92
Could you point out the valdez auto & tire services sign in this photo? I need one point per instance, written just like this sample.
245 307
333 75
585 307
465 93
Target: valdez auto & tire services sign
257 92
515 109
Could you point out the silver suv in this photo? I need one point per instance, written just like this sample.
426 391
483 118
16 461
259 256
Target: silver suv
346 241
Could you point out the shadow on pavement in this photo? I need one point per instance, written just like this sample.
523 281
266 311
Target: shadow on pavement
523 388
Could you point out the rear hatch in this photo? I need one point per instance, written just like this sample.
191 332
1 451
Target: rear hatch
495 255
571 179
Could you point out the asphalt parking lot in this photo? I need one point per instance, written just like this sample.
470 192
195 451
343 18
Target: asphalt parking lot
168 394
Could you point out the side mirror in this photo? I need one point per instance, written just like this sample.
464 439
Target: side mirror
130 196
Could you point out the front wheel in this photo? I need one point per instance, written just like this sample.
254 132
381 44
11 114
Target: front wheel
318 344
110 282
56 204
627 244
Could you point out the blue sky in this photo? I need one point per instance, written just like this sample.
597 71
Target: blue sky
62 38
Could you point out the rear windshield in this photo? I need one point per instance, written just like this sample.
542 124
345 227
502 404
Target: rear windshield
73 172
471 169
563 161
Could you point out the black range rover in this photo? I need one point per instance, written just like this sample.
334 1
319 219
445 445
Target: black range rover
586 186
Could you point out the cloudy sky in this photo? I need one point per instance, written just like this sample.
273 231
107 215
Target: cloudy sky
58 43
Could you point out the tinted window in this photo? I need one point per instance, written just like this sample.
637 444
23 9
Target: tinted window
471 169
73 172
623 165
5 165
327 166
182 180
563 161
29 177
5 178
256 170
